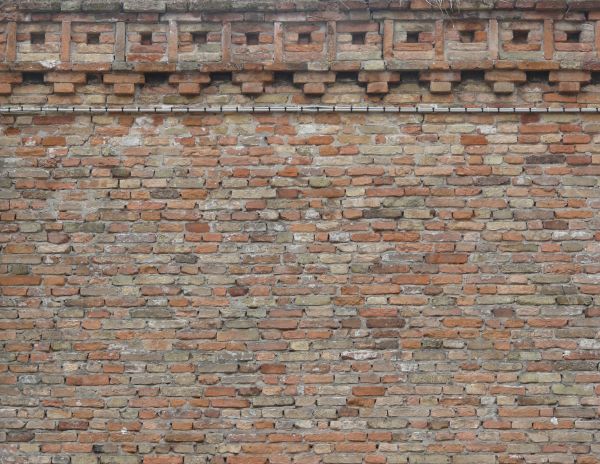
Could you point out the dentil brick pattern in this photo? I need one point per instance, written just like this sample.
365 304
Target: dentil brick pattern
335 288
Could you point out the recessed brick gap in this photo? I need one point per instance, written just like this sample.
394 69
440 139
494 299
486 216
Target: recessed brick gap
520 36
412 37
38 38
346 76
537 76
573 36
199 38
93 38
146 38
474 75
409 77
467 36
156 79
359 38
93 78
283 77
252 38
33 78
304 38
221 77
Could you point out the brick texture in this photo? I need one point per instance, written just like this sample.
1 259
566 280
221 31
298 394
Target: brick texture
335 288
325 288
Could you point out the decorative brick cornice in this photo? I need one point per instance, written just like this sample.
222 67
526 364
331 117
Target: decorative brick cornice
380 41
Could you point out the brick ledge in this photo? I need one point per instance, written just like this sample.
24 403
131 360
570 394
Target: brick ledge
26 109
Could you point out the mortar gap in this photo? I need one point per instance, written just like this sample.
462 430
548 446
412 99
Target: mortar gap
199 38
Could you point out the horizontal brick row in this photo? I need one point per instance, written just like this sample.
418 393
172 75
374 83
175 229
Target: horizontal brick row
457 88
378 40
144 6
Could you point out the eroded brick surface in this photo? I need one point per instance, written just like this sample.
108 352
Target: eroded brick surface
337 288
280 288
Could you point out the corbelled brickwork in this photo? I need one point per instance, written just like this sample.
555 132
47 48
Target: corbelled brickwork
119 46
272 288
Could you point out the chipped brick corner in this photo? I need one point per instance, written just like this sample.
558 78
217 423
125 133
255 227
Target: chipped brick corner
228 287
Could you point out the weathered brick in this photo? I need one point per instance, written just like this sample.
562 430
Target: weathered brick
244 285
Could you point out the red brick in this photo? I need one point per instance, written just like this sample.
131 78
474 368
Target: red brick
87 380
368 391
163 459
19 280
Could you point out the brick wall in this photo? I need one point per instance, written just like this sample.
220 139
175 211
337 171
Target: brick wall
271 288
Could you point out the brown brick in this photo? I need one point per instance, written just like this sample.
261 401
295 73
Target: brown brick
64 87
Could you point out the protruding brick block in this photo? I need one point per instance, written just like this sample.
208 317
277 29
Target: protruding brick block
124 78
259 76
569 87
314 88
377 87
440 87
304 77
570 76
378 76
503 87
253 87
72 77
199 78
506 76
64 87
124 89
189 88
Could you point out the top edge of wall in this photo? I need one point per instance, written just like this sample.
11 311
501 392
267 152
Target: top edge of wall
161 6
